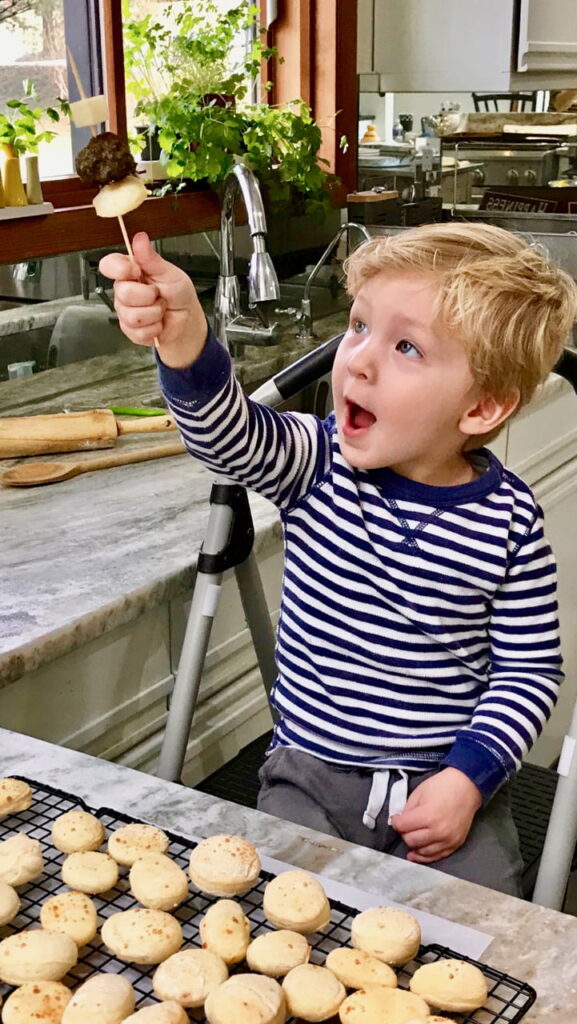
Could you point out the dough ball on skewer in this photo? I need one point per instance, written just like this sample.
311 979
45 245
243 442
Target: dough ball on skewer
106 158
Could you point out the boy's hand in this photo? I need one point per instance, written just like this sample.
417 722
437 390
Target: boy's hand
156 303
438 815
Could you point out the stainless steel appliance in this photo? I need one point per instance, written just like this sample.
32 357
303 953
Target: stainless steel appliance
499 163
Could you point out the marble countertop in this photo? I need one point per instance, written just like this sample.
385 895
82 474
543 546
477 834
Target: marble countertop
84 556
531 943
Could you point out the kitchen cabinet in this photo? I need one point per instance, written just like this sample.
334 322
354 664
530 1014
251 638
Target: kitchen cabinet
547 36
421 45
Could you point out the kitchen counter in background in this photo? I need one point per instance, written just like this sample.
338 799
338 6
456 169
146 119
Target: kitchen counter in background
96 572
530 943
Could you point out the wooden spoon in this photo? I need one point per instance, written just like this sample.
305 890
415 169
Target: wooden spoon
53 472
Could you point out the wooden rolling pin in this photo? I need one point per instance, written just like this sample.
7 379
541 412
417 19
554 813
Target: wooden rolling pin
31 474
71 431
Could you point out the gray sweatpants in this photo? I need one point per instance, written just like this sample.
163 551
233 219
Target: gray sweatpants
331 798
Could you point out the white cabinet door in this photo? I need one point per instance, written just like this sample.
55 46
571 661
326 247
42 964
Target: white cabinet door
420 45
547 35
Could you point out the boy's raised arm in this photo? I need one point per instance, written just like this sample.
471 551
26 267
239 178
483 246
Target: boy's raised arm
157 304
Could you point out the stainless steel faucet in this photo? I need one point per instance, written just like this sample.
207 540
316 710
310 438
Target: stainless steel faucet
306 320
263 286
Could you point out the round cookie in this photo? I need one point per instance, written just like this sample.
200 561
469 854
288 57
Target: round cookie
450 985
36 1001
224 865
21 859
357 969
76 831
102 999
134 840
73 913
90 872
15 796
142 936
390 934
225 930
296 900
276 953
246 999
9 903
312 993
36 955
377 1005
167 1012
189 976
158 882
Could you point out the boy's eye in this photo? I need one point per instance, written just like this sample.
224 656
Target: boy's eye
358 326
407 348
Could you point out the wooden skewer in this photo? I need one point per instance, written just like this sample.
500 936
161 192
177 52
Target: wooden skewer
82 94
79 85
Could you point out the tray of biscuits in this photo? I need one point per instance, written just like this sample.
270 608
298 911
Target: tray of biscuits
105 919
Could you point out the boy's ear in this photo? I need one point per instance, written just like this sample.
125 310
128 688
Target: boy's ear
488 413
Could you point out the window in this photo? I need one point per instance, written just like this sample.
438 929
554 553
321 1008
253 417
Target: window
35 36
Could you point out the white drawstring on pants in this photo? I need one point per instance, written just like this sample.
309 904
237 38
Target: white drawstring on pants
378 794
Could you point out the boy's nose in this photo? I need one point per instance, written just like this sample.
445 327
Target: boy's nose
361 361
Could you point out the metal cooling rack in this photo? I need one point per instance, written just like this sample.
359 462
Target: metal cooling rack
508 1001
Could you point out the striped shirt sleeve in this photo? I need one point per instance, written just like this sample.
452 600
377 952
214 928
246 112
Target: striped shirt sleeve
279 455
525 669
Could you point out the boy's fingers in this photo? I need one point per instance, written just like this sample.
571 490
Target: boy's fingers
153 265
135 293
118 267
409 820
419 837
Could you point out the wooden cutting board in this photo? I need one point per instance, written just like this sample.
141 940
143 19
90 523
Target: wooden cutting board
72 431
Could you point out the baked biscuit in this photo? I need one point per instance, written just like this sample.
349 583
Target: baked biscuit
167 1012
36 955
73 913
276 953
90 872
296 900
9 903
225 930
224 865
134 840
102 999
15 796
36 1001
158 882
438 1020
390 934
76 831
357 969
312 993
189 976
450 985
246 999
21 859
377 1005
142 936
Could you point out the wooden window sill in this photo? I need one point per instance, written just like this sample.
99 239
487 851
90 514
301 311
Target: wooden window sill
77 228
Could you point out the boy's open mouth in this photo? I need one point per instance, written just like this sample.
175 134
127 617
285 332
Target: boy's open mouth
357 418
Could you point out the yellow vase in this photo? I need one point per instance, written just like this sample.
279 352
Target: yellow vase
14 194
2 200
33 186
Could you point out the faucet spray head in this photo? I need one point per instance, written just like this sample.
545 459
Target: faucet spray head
263 283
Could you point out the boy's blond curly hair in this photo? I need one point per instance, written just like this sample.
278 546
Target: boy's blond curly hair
512 307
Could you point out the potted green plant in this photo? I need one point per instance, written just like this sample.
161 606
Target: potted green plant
21 134
192 83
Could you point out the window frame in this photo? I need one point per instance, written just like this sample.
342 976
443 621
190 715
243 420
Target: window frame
317 39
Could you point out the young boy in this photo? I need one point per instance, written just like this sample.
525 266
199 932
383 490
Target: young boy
418 653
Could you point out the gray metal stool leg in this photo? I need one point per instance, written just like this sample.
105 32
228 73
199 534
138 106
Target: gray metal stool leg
559 846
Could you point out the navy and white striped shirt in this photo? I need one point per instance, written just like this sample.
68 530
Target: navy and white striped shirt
418 624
